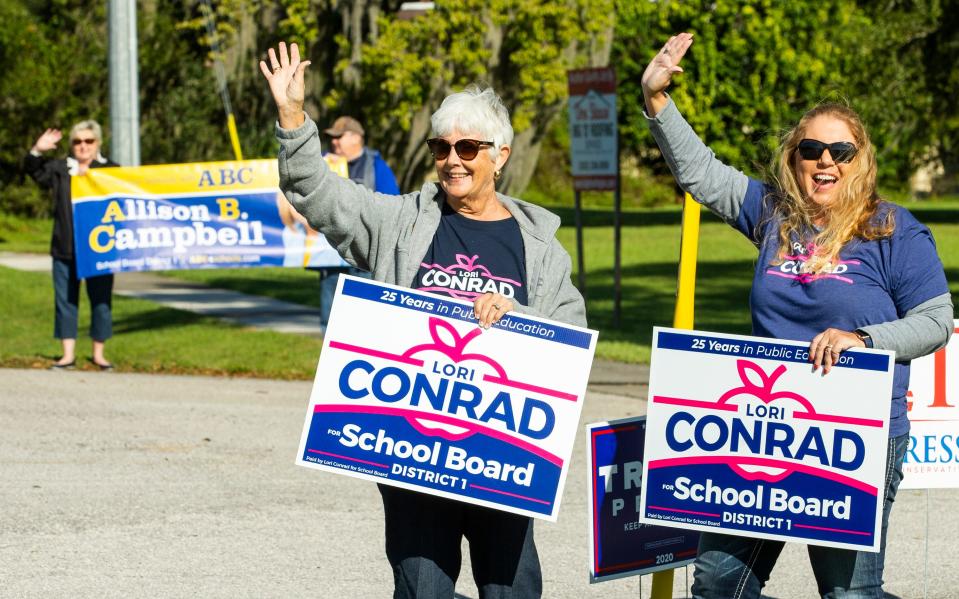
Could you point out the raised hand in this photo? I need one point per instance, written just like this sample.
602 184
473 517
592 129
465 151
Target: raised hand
48 141
285 76
659 72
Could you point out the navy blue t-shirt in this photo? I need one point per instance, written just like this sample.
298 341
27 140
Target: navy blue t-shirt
873 282
469 257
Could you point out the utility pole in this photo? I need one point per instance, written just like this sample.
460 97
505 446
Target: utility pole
124 83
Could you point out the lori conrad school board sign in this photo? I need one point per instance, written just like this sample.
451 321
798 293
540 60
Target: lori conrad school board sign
744 438
410 392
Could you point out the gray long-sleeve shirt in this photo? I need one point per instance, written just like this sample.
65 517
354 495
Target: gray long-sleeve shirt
388 235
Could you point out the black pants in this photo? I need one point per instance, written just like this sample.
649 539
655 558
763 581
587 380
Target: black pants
423 536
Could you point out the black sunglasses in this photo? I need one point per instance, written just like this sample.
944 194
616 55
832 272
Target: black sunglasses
841 151
467 149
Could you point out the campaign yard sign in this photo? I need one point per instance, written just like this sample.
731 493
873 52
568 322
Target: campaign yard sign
410 392
932 458
744 438
619 545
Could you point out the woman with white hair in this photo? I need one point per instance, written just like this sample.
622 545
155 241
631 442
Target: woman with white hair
426 240
85 140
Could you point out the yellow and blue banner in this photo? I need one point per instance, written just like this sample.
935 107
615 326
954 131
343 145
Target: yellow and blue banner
185 216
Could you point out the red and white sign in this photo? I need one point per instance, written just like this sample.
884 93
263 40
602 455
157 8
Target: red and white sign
592 128
932 459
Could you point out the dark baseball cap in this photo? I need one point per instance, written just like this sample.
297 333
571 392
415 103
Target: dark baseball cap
344 124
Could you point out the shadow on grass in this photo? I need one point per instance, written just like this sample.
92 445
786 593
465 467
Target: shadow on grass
160 318
306 294
604 218
933 215
648 299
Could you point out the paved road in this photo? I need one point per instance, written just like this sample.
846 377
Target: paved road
125 485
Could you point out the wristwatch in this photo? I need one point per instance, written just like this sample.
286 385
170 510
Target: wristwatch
864 337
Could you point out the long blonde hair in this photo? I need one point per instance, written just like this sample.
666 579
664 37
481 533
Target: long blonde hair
853 213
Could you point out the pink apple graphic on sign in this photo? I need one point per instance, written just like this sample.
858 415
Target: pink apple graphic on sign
754 398
463 373
448 354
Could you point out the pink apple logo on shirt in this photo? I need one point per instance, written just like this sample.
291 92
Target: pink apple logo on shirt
466 279
796 267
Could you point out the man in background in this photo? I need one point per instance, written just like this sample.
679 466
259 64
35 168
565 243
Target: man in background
366 167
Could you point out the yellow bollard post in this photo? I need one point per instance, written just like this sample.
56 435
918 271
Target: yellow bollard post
682 319
234 137
688 248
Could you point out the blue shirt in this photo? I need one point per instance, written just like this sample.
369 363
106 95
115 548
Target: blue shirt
470 257
873 282
377 176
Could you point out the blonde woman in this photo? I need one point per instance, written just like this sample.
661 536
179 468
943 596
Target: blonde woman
837 266
86 138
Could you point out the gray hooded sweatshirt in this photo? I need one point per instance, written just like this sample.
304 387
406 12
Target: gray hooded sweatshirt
389 235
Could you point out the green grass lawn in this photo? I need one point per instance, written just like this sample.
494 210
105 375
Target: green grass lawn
147 337
25 234
650 252
296 285
649 274
153 338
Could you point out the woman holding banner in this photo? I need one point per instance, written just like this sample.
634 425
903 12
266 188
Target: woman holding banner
55 175
837 266
426 240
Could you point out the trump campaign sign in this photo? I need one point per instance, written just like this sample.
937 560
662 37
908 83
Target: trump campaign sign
619 544
744 438
410 392
932 458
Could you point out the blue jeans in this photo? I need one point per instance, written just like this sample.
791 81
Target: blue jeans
729 567
423 535
66 299
328 279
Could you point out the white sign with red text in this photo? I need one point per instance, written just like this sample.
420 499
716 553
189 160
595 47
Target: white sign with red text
932 459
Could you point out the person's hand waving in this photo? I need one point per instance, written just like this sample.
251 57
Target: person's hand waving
285 76
48 141
659 72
